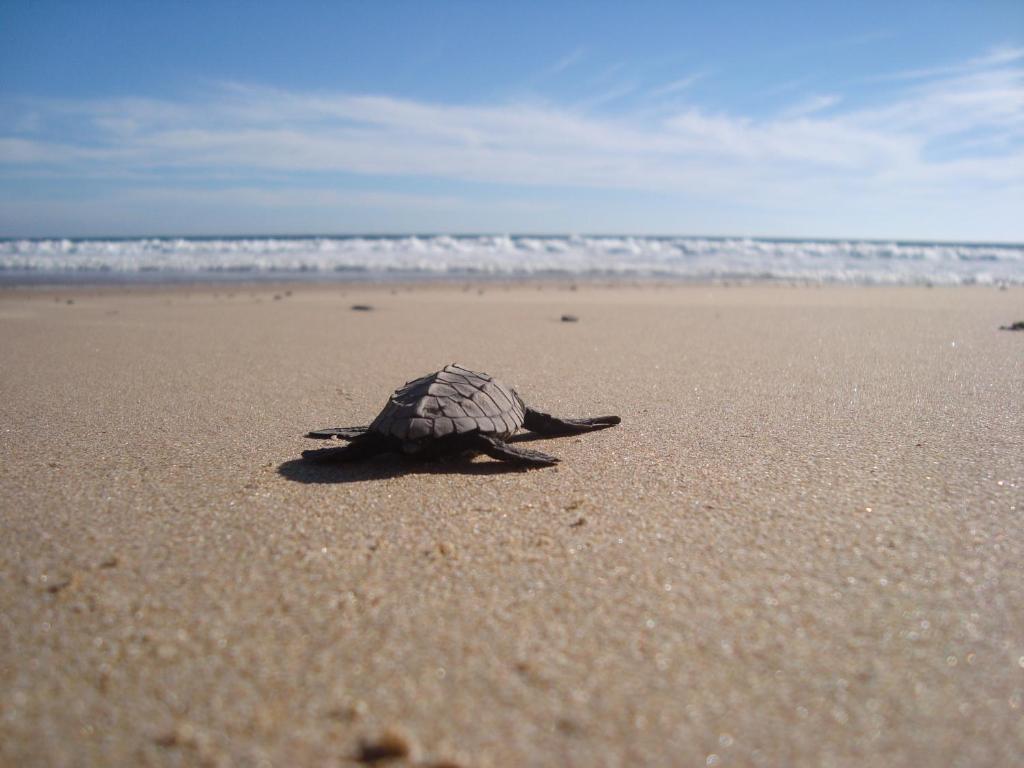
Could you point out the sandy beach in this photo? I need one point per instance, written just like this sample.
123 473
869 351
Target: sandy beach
802 546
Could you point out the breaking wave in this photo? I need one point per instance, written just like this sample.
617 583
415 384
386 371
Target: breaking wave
421 257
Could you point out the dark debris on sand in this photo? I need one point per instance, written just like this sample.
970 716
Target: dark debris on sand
392 744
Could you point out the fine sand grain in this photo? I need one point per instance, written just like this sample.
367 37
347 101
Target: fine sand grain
803 545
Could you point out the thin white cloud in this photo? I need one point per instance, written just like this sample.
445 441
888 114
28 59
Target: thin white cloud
812 105
787 86
261 197
925 141
570 59
996 57
678 85
608 96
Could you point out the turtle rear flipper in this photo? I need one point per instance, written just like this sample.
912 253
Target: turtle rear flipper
362 447
345 433
499 449
546 424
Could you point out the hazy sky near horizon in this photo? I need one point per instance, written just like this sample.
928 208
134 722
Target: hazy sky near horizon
874 119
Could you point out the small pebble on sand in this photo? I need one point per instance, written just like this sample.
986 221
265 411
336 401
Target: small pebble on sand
570 319
390 745
59 584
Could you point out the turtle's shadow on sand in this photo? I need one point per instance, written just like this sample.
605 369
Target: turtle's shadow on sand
388 466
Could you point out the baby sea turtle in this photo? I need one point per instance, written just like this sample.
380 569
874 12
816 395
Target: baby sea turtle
452 411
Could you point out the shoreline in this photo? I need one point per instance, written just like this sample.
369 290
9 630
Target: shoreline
447 282
606 279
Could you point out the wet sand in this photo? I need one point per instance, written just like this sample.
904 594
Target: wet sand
803 545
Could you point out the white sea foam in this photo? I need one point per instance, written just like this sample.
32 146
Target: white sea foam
691 258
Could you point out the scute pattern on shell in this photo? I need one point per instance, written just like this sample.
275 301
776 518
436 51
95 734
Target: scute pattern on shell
454 400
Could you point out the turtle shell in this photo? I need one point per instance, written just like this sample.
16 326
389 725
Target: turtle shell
454 400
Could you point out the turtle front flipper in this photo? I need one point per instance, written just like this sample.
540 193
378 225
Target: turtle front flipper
546 424
499 449
362 447
345 433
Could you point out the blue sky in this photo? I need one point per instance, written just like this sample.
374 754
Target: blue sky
886 120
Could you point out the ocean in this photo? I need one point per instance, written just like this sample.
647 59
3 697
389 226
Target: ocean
422 257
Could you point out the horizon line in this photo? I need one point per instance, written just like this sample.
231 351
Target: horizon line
559 235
